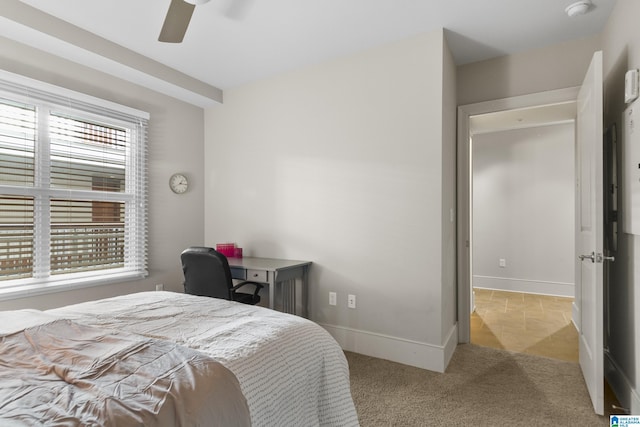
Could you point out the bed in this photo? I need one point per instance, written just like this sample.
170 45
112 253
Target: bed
197 360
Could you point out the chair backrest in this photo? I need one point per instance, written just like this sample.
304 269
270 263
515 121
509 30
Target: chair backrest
206 272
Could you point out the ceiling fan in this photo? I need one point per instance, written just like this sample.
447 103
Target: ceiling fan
177 20
180 11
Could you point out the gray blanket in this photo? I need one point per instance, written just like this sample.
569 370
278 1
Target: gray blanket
67 374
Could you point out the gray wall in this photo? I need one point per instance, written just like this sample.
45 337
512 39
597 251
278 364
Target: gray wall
349 164
448 206
621 47
176 134
555 67
523 210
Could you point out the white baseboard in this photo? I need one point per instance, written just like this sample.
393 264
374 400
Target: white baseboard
560 289
400 350
621 385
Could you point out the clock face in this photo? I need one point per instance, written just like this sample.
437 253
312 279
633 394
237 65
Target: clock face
178 183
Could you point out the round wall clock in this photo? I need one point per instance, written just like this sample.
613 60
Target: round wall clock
178 183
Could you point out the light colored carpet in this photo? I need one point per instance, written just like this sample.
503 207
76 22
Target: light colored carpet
481 387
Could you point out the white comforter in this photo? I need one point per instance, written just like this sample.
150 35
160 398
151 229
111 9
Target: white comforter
291 371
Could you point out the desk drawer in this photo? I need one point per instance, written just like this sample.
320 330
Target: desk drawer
238 273
257 275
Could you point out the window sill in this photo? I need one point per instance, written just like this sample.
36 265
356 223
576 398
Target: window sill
30 287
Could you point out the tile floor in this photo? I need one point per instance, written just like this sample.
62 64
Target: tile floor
526 323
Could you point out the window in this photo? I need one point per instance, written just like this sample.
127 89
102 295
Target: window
72 189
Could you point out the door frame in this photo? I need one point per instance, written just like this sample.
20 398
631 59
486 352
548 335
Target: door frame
464 238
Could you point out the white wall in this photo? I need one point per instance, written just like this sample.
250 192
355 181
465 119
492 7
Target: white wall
523 210
176 134
621 46
342 164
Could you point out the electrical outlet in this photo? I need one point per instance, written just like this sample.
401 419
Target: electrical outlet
333 298
159 287
502 263
351 301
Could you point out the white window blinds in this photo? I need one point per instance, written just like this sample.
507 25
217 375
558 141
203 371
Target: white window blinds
72 188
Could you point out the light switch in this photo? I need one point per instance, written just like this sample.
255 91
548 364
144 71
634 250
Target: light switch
333 298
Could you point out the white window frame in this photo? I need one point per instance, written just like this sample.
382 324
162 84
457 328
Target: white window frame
46 96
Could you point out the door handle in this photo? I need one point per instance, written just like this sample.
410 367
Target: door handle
600 258
592 257
596 257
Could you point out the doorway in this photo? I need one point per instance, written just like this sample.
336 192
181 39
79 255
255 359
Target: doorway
514 106
523 230
589 207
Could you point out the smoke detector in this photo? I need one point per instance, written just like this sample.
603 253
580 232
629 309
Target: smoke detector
578 8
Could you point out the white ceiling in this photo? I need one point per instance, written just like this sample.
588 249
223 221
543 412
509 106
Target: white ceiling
226 47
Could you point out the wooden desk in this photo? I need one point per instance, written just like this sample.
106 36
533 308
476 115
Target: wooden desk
282 276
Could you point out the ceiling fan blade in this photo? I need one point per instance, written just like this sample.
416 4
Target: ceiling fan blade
176 23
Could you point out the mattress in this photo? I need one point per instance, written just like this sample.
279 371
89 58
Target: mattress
290 370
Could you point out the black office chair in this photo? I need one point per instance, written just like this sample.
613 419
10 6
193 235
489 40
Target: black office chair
207 273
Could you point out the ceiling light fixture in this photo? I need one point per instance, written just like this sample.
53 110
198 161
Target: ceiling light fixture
578 8
197 1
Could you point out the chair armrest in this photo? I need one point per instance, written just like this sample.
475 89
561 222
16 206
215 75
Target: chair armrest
241 284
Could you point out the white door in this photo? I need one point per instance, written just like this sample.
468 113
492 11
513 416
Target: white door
589 233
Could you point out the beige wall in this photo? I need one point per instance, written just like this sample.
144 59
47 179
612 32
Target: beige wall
554 67
342 164
621 47
175 145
